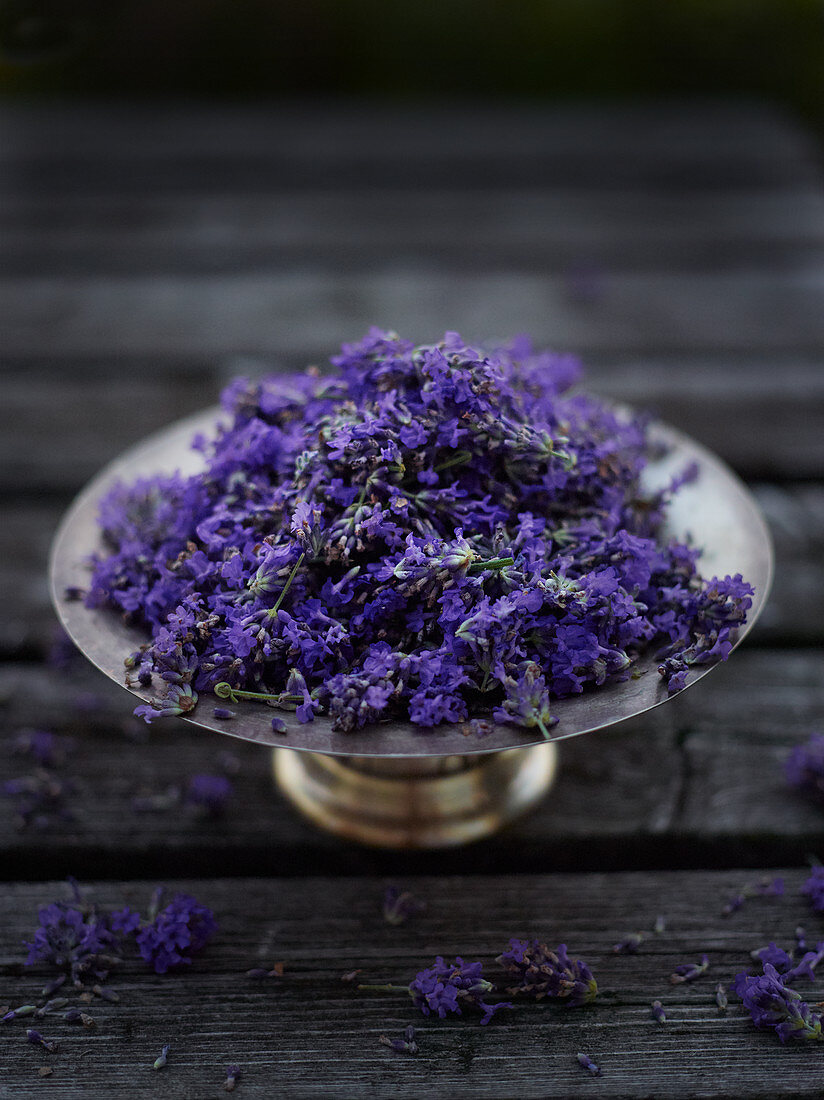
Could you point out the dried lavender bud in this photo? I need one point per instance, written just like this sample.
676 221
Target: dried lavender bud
406 1045
35 1037
72 1015
721 997
161 1060
53 985
688 972
400 905
763 888
629 944
447 987
16 1013
223 713
51 1006
658 1013
259 973
233 1075
350 975
106 994
660 925
587 1063
278 725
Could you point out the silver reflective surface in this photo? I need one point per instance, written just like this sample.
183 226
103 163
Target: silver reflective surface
716 510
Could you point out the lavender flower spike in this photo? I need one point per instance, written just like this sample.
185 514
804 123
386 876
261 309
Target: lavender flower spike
772 1004
587 1063
445 988
545 973
688 972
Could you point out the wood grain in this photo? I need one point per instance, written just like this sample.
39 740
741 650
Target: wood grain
310 1035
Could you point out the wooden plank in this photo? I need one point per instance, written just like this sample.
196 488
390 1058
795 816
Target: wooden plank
697 782
794 614
308 1034
759 311
721 128
586 235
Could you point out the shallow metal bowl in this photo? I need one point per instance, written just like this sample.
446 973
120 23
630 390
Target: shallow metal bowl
716 511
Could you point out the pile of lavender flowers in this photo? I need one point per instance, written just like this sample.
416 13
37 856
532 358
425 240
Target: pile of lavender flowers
437 532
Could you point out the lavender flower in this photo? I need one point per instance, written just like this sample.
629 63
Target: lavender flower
406 1045
587 1063
688 972
446 988
209 794
440 533
814 887
805 767
179 931
773 1004
73 941
400 905
451 987
658 1014
545 973
233 1075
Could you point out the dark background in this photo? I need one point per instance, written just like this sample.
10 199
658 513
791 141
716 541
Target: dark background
770 49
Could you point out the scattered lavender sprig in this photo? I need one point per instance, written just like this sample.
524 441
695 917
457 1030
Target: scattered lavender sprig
773 1004
542 972
447 988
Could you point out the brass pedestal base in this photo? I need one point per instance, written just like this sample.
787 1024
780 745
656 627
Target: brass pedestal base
415 802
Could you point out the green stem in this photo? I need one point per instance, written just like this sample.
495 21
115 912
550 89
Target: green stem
226 691
493 563
459 459
543 728
274 610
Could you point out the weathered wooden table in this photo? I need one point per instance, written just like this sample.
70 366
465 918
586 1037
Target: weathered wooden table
147 256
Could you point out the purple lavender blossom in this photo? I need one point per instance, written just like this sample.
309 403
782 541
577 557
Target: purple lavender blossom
399 905
73 941
451 987
406 1045
545 973
209 794
688 972
774 1005
814 887
805 767
438 533
233 1075
179 931
587 1063
658 1013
